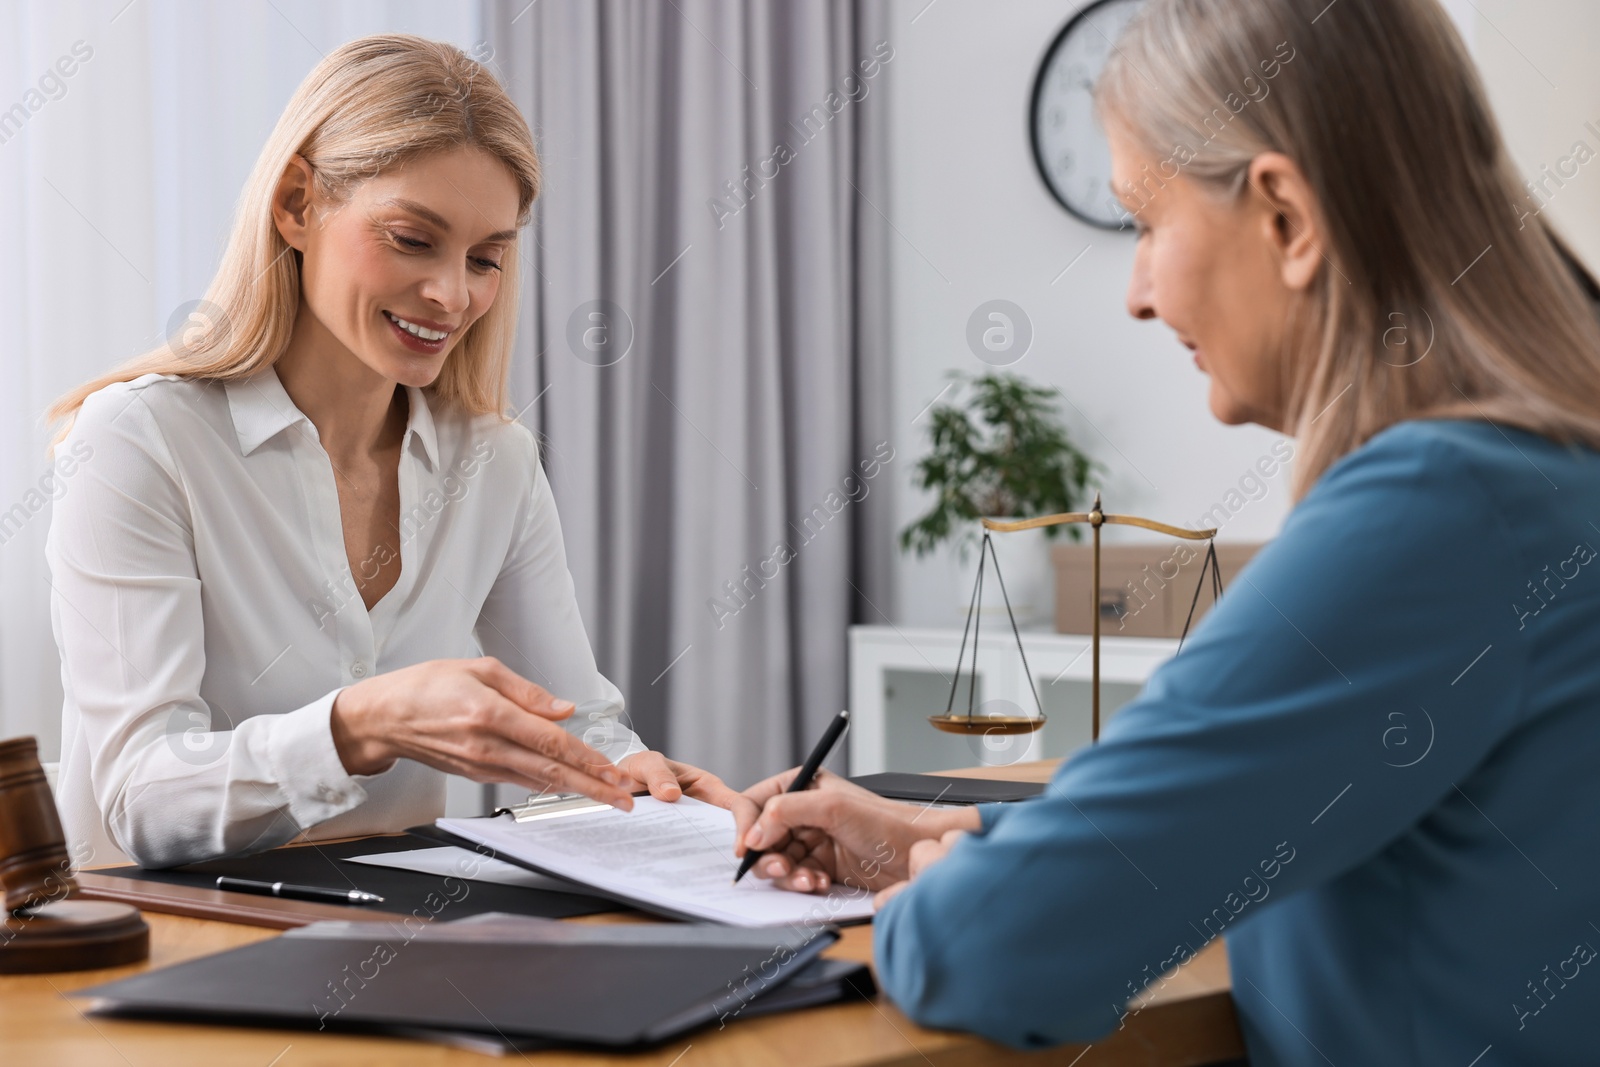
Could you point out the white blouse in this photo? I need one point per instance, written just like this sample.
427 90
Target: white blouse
207 615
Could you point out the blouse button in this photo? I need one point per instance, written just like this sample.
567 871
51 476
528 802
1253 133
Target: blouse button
359 669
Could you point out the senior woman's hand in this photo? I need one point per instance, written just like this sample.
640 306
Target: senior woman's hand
924 854
836 832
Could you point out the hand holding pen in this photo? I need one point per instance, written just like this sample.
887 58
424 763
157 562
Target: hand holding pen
837 833
802 780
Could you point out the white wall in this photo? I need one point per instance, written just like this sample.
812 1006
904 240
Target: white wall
1537 58
975 223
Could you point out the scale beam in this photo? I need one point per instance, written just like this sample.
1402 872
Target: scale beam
1013 526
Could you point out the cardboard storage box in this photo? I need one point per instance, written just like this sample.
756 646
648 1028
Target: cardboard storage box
1145 589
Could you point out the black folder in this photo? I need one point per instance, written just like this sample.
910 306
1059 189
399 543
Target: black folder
822 981
514 981
930 788
404 892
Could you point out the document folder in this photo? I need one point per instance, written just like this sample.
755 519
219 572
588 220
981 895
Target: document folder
933 788
527 981
191 889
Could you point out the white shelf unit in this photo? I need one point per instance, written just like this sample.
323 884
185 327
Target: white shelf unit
899 677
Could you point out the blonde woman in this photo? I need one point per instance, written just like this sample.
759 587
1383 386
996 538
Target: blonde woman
308 563
1372 769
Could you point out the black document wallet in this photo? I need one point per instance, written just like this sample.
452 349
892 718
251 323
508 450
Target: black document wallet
404 892
931 788
525 980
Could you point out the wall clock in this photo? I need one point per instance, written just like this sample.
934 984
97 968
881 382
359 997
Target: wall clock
1069 148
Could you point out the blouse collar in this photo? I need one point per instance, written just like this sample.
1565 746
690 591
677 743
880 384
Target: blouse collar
261 409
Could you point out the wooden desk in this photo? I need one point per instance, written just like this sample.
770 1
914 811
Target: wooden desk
1187 1023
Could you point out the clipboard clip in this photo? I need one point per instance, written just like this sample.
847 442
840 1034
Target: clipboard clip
551 805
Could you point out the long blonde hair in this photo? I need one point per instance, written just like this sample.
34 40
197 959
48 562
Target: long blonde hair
1429 229
374 103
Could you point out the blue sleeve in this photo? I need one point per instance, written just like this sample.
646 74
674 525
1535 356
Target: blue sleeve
1361 664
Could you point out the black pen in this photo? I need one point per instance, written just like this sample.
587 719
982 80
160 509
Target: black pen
298 892
808 771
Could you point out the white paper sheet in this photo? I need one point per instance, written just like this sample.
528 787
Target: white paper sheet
676 856
451 861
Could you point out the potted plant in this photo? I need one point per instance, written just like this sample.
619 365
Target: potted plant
1000 450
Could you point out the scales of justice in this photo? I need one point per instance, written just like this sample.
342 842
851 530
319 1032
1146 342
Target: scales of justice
1024 724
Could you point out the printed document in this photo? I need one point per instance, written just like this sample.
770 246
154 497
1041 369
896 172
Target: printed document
675 858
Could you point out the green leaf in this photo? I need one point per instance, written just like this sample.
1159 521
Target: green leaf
997 448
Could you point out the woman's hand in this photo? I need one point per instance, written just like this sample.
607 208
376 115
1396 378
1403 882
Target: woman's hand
476 718
668 780
924 854
837 832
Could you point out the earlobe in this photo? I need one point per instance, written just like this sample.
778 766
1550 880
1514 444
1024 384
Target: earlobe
1295 230
289 202
1302 253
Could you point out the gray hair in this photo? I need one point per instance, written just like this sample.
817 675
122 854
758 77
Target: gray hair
1428 226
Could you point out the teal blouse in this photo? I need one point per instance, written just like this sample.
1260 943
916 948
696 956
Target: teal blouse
1372 770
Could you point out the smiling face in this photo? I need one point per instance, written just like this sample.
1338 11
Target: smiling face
1221 275
395 274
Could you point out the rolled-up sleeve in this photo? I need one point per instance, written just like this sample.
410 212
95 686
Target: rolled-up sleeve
127 615
530 619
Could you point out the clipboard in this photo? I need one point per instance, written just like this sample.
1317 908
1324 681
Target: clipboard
190 889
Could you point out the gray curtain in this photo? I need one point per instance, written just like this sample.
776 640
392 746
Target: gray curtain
703 349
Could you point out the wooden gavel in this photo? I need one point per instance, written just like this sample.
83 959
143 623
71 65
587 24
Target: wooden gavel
43 930
34 866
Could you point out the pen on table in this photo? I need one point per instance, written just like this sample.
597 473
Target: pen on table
298 892
808 771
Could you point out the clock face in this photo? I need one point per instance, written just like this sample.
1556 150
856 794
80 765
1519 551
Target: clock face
1071 151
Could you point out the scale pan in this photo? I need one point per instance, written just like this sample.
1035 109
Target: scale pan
980 725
